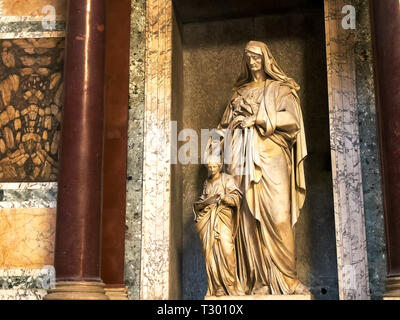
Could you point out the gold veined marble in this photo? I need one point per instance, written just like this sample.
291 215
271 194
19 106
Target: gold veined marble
27 237
31 8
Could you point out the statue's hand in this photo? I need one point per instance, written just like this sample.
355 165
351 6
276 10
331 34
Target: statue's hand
227 201
236 121
248 122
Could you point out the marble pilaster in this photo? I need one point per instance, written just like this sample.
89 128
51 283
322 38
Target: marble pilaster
386 29
369 151
116 104
134 193
345 156
156 265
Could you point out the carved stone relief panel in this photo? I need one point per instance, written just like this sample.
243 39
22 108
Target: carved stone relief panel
31 80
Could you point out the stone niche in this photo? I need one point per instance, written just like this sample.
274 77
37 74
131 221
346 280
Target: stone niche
207 47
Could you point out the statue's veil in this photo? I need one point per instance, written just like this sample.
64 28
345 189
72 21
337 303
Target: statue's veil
270 67
299 151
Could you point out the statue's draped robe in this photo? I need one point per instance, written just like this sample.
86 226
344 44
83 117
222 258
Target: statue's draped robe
217 226
267 162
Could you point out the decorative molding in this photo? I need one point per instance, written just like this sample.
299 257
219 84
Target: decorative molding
77 290
392 288
117 293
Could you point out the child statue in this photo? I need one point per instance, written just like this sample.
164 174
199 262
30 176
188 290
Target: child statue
217 215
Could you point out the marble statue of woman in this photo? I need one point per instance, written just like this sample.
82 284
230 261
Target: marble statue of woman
216 222
266 132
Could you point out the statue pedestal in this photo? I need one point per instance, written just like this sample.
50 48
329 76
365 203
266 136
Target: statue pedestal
264 297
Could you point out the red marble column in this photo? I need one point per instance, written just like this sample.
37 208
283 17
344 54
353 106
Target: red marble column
79 203
386 37
115 147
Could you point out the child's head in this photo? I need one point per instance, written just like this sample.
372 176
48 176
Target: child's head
214 165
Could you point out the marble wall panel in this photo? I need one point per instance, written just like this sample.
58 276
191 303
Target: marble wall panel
27 278
26 237
26 283
22 294
31 19
31 8
28 195
31 76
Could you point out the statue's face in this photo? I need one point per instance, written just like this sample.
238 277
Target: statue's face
254 61
213 168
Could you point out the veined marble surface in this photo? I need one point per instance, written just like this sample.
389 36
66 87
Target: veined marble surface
28 195
23 19
34 203
134 194
27 214
25 278
28 185
31 8
156 221
351 244
27 237
25 283
29 29
22 294
369 149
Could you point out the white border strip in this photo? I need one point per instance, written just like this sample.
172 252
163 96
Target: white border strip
30 35
28 185
30 204
26 272
7 19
